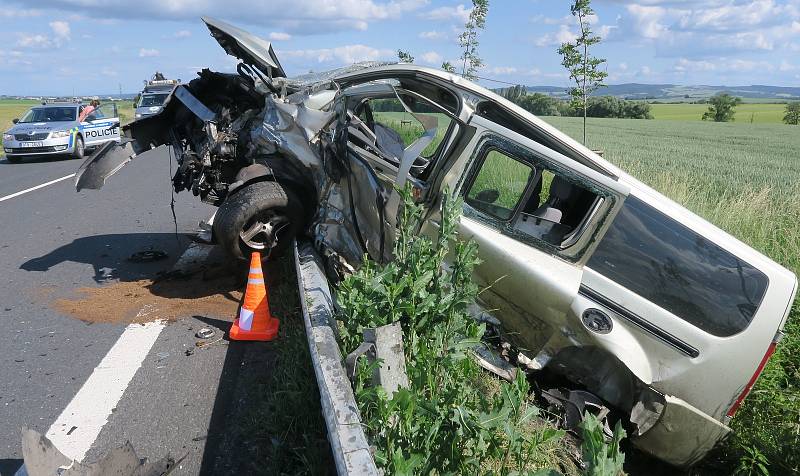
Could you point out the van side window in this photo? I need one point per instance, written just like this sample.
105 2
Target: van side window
391 118
679 270
499 185
531 201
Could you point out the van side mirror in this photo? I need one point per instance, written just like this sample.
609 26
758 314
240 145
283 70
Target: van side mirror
15 120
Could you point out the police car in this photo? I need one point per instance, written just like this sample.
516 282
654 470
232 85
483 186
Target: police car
55 129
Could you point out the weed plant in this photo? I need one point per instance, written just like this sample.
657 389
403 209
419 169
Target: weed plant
443 423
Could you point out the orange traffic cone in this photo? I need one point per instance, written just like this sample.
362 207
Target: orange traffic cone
254 321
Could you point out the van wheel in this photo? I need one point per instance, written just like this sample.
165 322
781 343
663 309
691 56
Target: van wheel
79 150
261 217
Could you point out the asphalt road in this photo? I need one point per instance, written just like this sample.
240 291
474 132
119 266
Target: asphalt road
54 241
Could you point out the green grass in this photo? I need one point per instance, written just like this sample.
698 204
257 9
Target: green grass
505 175
410 132
745 178
758 113
276 425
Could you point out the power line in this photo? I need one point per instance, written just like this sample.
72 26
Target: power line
497 81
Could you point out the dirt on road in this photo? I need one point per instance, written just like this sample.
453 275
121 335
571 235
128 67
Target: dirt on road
167 298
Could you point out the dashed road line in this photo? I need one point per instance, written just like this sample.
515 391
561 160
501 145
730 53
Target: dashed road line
22 192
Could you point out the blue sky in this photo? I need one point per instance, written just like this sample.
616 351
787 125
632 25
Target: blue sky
93 46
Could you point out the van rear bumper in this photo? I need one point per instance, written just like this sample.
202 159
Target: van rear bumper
683 434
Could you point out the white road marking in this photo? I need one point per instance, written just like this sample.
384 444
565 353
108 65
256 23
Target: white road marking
80 423
76 429
22 192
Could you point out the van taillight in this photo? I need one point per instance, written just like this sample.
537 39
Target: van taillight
749 386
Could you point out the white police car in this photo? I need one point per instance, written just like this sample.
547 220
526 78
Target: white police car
55 129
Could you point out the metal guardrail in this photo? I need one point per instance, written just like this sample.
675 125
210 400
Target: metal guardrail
346 435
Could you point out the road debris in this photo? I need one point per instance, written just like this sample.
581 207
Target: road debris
203 343
147 256
42 458
205 333
495 363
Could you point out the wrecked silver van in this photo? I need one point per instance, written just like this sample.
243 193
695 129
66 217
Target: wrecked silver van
605 281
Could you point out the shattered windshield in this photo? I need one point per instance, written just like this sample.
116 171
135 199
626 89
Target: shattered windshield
50 114
323 76
153 100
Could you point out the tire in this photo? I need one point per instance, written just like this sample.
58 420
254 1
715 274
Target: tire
266 203
13 159
80 148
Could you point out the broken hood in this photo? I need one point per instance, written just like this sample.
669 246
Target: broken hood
249 48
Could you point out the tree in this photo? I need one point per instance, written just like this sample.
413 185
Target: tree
468 39
583 69
541 104
448 67
722 107
404 56
792 115
514 93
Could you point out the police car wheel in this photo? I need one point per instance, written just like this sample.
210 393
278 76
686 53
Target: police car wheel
79 148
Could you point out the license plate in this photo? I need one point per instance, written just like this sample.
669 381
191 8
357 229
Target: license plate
31 144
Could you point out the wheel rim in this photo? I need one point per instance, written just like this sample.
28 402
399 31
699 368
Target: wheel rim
79 147
263 232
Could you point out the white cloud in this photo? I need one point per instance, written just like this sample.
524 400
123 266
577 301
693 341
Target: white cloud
34 41
563 35
704 29
293 16
623 66
182 34
148 52
432 35
722 65
109 72
542 19
647 20
431 57
732 16
279 36
347 54
683 65
61 34
604 31
501 70
18 13
459 13
13 58
60 29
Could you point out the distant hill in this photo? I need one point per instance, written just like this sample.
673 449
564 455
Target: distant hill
675 92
